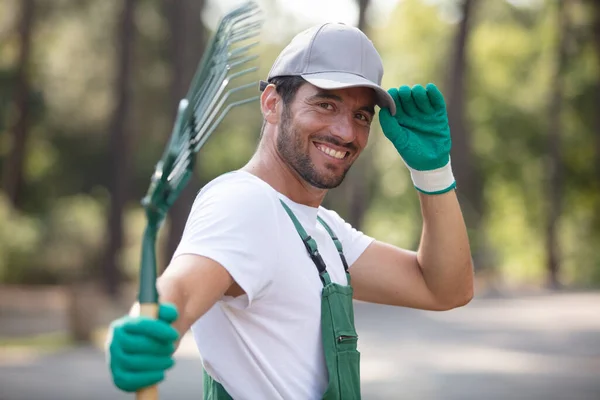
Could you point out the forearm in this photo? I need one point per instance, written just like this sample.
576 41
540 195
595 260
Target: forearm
171 292
444 253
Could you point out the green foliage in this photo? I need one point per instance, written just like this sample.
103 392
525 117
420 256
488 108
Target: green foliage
74 239
511 56
65 244
19 236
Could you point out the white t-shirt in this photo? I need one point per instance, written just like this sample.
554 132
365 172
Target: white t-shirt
265 344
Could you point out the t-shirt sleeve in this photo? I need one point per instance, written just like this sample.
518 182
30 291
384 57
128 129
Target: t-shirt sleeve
234 223
353 241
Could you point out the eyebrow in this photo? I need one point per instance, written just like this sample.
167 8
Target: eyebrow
330 96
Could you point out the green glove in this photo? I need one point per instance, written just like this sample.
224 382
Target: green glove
140 349
421 134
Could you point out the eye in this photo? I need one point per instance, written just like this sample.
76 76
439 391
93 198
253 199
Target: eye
326 106
363 117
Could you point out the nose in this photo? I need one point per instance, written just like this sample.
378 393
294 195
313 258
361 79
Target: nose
344 129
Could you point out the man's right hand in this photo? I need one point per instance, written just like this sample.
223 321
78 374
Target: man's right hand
140 349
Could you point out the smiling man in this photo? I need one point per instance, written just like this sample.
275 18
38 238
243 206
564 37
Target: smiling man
264 275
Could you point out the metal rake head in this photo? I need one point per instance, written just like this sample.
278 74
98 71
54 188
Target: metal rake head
207 102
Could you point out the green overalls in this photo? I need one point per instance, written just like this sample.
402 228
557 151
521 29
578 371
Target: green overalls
337 328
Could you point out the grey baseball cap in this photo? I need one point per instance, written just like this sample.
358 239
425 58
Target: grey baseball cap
333 56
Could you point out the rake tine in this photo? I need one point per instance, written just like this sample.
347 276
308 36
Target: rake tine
183 162
205 131
208 82
240 36
251 26
201 99
176 175
235 28
246 14
199 105
216 69
218 121
181 165
204 89
218 107
217 65
206 95
242 61
201 121
208 60
233 40
236 52
219 90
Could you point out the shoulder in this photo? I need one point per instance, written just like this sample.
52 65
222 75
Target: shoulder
334 220
234 222
353 241
238 190
234 201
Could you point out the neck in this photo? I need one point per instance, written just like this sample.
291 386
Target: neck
268 165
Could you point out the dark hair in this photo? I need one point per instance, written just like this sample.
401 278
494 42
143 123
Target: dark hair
287 86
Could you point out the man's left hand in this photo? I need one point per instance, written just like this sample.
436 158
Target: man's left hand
421 134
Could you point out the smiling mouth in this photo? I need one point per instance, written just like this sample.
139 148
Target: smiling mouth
339 155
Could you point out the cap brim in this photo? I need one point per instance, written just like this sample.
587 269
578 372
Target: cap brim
343 80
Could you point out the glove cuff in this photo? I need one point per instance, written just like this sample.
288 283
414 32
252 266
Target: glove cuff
435 181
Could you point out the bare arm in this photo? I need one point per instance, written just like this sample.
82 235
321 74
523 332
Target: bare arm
437 277
193 284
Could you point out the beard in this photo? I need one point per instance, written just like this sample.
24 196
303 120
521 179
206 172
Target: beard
292 150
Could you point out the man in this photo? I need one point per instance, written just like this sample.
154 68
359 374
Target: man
264 276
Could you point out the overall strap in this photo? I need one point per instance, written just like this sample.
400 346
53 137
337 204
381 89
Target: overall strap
338 244
310 244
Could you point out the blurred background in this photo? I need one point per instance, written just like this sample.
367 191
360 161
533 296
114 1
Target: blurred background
88 93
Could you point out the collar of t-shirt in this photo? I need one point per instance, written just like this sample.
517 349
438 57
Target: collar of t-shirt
307 215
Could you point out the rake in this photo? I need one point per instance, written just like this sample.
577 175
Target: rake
206 104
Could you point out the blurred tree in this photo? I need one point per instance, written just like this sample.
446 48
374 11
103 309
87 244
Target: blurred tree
119 149
507 96
555 159
363 5
359 190
464 160
187 40
354 195
509 69
414 45
596 38
595 128
13 171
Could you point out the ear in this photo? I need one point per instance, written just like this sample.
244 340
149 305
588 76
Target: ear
269 101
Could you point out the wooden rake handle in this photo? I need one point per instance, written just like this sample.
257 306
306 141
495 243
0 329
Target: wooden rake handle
150 392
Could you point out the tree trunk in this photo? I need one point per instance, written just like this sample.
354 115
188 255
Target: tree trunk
354 192
362 14
596 27
186 42
555 167
82 311
119 150
14 166
464 166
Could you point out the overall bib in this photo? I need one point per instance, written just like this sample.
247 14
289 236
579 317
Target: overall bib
337 327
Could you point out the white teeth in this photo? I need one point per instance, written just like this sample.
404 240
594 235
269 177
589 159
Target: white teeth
333 153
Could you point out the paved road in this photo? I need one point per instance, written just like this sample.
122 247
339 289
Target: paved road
529 347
